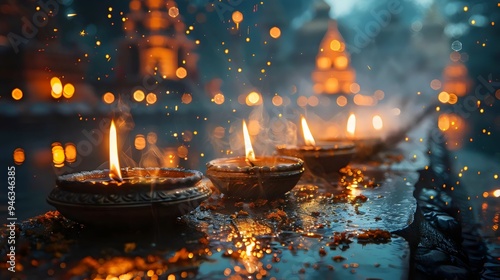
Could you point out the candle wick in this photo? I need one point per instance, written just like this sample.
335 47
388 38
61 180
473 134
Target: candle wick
249 162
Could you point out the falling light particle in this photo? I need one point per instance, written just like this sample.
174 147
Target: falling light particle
495 176
466 9
98 43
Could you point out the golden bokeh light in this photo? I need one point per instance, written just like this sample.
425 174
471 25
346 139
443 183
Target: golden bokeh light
219 99
219 132
186 98
139 95
237 17
275 32
68 90
151 98
19 156
253 98
139 142
182 151
58 154
17 94
341 62
181 72
302 101
313 101
277 100
335 45
323 62
444 97
354 88
453 99
70 152
341 101
377 122
57 88
351 125
173 12
444 122
108 98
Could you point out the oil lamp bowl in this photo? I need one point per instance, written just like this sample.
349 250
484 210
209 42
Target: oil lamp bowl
321 159
265 177
365 147
146 196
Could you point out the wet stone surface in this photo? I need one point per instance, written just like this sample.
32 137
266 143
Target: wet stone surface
320 229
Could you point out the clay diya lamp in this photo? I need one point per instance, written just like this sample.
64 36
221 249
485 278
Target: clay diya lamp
251 177
320 158
365 146
128 197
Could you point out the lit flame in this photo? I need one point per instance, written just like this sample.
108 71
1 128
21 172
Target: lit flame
378 124
249 153
308 138
114 163
351 125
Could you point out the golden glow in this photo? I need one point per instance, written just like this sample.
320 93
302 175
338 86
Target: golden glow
108 98
151 98
70 152
135 5
19 156
275 32
219 98
444 97
308 138
181 72
351 125
249 153
140 142
377 122
17 94
114 164
68 90
139 95
58 154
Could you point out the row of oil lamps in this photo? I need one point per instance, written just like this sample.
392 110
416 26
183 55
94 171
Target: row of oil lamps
133 197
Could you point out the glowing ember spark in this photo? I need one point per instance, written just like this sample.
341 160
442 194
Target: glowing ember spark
351 125
308 138
378 124
114 164
249 153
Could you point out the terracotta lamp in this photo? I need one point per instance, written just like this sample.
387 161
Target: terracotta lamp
127 197
252 177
